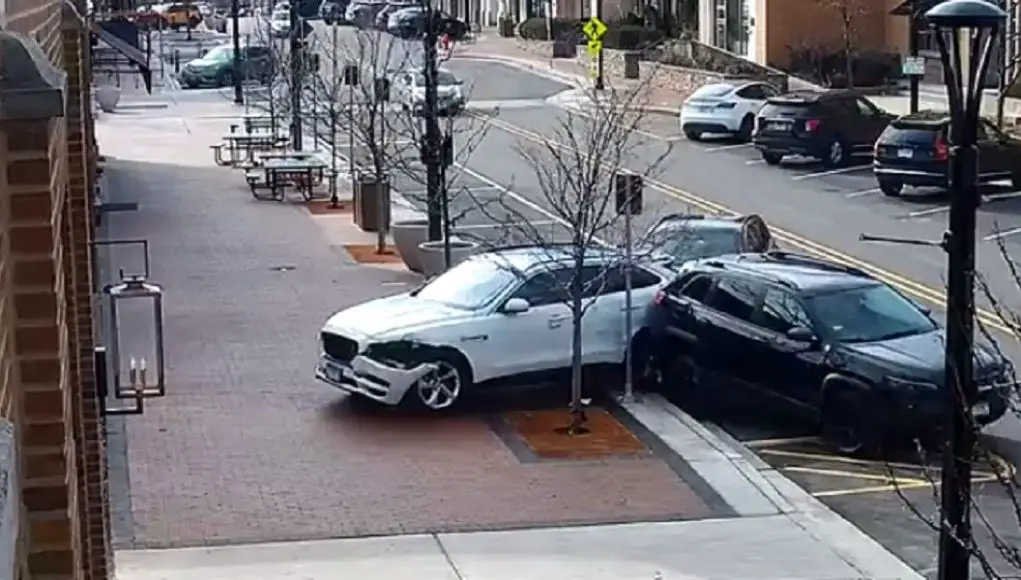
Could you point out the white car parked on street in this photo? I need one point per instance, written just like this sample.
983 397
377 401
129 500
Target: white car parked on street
280 22
497 315
451 98
724 109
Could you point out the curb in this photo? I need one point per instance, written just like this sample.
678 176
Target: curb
754 488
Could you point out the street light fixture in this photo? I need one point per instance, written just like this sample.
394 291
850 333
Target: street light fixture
966 32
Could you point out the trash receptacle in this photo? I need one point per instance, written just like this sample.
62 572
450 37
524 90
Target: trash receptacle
371 202
631 60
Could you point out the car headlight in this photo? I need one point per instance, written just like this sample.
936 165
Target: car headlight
911 384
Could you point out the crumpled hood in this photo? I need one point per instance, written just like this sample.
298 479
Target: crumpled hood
921 356
391 317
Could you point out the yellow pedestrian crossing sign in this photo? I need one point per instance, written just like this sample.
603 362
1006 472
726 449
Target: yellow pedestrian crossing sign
594 29
594 47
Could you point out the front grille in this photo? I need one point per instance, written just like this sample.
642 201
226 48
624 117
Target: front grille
338 347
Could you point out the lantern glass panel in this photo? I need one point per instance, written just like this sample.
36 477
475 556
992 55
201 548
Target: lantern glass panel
135 341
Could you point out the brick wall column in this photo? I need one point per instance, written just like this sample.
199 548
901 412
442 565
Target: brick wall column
34 190
93 505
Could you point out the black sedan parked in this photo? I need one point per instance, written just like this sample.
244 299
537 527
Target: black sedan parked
827 339
913 151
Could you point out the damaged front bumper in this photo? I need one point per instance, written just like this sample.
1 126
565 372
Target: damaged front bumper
370 378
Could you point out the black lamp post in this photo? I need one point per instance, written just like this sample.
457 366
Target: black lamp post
974 24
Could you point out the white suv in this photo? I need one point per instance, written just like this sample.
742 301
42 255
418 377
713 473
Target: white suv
496 315
724 109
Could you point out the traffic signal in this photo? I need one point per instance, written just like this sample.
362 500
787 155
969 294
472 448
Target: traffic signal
628 188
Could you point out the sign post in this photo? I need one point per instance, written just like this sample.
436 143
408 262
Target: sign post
594 30
628 189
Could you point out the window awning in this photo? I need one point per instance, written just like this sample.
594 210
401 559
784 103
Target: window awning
132 53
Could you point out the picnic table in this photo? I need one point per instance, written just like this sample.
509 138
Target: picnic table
301 170
253 122
241 147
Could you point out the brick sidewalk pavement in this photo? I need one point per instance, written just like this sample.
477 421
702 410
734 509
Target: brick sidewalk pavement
247 447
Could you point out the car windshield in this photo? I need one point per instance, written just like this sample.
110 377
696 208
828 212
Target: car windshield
219 54
871 313
443 79
469 285
682 242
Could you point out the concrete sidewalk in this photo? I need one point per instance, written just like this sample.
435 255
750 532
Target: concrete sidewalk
773 529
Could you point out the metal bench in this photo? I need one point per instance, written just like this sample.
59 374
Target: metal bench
218 155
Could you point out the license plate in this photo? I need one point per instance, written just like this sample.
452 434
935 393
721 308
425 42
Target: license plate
704 109
980 409
778 126
905 153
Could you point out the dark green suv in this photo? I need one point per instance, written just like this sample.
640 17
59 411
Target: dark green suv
216 67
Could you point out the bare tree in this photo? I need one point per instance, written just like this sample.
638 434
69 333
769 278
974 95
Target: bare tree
575 169
849 13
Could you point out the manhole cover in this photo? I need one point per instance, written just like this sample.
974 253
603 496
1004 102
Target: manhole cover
282 268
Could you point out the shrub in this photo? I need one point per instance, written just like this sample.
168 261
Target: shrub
630 37
828 67
538 28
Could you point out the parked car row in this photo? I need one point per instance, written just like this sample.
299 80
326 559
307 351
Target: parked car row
402 18
720 313
836 126
215 68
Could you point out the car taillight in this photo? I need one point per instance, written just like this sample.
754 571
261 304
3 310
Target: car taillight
940 150
811 125
659 299
725 105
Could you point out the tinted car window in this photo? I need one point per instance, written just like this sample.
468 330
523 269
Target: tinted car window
785 110
734 297
639 279
694 286
781 311
752 92
909 135
687 241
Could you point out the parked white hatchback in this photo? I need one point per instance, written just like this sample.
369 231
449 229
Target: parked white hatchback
497 315
724 109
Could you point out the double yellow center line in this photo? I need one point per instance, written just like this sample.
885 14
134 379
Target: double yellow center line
905 285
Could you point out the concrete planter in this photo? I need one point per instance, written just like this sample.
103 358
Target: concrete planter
107 97
407 236
431 254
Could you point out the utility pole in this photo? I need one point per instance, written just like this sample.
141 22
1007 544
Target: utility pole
296 70
430 151
913 32
600 83
235 33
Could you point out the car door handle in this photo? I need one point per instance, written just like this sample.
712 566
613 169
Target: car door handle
557 321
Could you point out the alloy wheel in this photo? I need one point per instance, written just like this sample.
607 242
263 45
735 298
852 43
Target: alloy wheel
836 153
440 388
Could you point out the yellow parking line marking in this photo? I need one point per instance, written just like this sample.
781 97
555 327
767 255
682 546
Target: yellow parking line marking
841 459
888 480
780 441
870 489
906 285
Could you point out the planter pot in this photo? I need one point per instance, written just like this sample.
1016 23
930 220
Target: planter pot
431 254
107 98
407 235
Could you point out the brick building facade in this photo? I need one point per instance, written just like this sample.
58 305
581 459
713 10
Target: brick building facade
47 381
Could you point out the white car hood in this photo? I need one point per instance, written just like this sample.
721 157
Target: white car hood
391 317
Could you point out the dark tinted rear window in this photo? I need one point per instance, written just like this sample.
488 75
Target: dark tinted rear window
912 135
785 109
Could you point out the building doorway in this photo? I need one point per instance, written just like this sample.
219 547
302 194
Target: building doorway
732 26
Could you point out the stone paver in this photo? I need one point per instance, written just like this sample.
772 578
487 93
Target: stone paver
247 447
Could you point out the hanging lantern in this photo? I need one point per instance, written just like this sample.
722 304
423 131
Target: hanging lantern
135 348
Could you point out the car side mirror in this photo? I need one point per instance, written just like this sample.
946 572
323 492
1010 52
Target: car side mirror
802 334
515 306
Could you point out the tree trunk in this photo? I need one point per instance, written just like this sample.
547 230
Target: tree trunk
848 66
577 408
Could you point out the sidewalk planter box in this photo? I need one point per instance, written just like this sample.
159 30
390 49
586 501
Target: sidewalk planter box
506 28
432 256
631 64
407 235
107 97
371 198
565 48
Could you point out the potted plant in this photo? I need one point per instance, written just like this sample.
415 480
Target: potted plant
433 254
407 235
107 96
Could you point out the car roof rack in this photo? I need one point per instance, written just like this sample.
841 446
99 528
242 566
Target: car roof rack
806 260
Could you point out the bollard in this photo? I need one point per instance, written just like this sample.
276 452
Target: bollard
177 60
